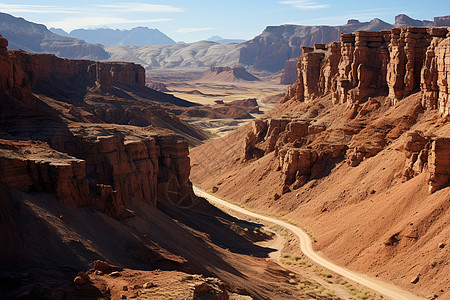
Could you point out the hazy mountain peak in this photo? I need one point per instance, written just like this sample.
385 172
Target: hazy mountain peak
59 31
138 36
36 38
403 20
221 40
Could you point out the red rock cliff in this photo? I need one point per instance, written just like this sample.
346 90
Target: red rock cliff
13 81
107 166
392 63
42 67
103 168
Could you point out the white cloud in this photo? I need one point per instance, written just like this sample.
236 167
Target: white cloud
139 7
43 9
69 24
305 4
94 15
193 29
100 9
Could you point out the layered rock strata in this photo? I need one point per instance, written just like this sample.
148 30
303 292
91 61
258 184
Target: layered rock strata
392 63
107 170
363 66
22 72
288 138
427 153
81 164
34 166
44 67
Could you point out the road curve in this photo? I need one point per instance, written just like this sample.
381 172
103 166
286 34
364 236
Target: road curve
387 290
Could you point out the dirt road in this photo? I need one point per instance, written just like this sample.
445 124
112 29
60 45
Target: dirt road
386 289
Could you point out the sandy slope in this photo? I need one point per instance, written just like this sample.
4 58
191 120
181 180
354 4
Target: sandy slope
352 212
384 288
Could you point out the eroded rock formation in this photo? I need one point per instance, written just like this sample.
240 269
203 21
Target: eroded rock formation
434 75
107 166
34 166
361 72
13 81
431 154
101 167
45 67
286 137
392 63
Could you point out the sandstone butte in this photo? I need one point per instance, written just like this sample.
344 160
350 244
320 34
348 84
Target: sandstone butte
357 153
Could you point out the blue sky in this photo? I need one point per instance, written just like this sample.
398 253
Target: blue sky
193 20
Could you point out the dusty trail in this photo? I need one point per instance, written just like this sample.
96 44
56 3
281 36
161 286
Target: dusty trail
386 289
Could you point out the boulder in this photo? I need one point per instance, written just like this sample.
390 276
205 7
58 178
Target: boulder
105 267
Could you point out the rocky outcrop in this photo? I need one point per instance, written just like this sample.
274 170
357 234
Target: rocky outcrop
271 49
434 75
13 81
407 54
42 68
101 168
428 154
33 166
286 137
362 67
439 164
173 172
392 63
158 86
107 166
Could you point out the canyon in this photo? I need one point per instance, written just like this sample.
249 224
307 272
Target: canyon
65 132
98 161
95 192
270 52
356 154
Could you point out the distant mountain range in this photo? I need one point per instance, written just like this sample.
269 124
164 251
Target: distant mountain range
267 52
271 49
36 38
221 40
202 54
139 36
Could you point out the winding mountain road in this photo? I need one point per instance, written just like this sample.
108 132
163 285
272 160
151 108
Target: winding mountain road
386 289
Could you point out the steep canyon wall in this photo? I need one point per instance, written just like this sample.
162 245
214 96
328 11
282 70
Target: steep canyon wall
392 63
107 166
